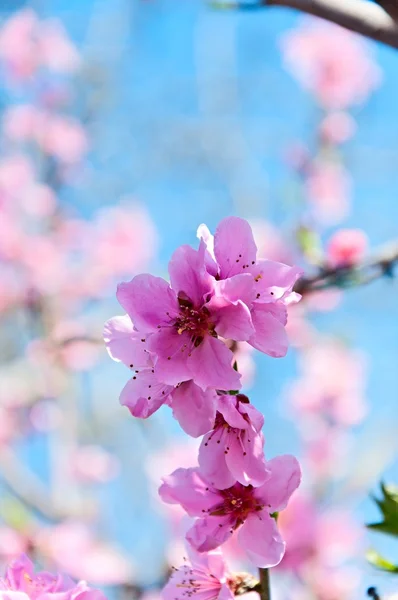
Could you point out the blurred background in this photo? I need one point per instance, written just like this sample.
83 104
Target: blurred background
124 126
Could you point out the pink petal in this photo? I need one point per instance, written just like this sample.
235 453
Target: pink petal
225 593
234 246
212 461
207 240
124 344
284 480
188 488
261 540
194 409
149 301
188 274
209 533
211 365
229 407
239 287
232 321
273 279
270 336
144 394
246 460
256 418
172 351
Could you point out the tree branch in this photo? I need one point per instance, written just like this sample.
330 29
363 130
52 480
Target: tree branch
265 593
375 21
381 264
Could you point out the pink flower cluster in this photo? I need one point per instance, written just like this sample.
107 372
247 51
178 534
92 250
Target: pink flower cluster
177 339
22 583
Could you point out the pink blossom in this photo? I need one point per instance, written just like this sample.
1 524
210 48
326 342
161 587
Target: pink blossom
332 383
328 188
180 325
331 62
220 512
347 247
93 464
74 549
56 50
146 392
264 286
205 576
234 449
21 583
270 242
12 543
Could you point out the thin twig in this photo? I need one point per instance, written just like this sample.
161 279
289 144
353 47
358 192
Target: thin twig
390 6
380 265
361 16
265 593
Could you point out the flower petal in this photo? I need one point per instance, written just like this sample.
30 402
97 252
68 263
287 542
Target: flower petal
234 246
245 458
273 279
149 301
284 480
188 274
211 365
260 538
171 350
188 488
270 336
124 343
229 407
194 409
209 533
144 394
232 321
212 462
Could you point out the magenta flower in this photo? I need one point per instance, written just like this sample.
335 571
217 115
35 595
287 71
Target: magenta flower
145 392
234 449
264 286
206 577
181 326
220 512
21 583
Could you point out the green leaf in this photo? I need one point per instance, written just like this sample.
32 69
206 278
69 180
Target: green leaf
310 244
388 505
380 563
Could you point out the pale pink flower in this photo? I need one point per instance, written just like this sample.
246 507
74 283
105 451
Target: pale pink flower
334 64
74 549
270 242
93 464
337 127
17 44
21 583
247 509
205 576
332 383
328 189
64 138
12 543
234 449
22 122
56 50
346 247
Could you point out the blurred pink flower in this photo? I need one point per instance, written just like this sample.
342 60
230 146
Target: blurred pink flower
331 384
337 128
93 464
26 44
73 548
346 247
21 583
270 242
328 189
334 64
12 544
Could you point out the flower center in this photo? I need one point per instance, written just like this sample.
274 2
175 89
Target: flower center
196 322
238 501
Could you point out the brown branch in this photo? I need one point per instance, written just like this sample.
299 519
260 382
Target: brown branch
265 592
372 20
381 264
